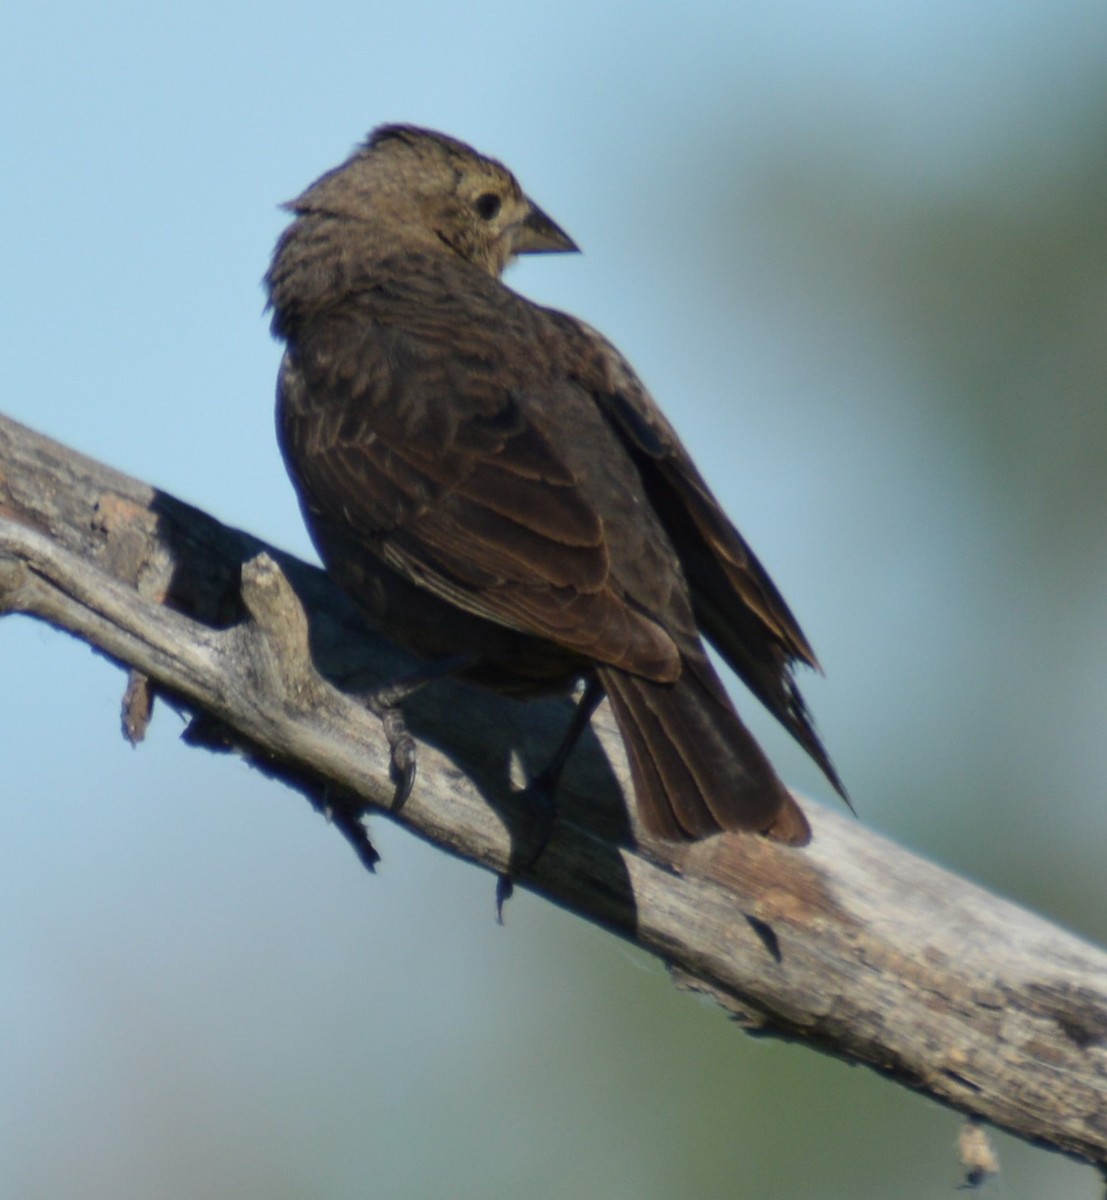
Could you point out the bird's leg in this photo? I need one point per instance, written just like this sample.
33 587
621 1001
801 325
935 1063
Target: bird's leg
542 789
385 703
541 792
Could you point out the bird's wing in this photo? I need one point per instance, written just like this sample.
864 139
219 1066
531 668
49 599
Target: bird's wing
482 480
737 605
715 556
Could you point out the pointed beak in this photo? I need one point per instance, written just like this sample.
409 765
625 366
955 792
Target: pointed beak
537 234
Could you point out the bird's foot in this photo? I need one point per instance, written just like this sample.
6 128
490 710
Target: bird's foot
539 798
401 749
539 802
384 702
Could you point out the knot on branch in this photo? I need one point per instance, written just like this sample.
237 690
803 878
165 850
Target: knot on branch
278 616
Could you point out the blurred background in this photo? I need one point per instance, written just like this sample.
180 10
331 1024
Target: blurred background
858 251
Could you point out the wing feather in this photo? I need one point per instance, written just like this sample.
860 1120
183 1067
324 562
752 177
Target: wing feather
486 506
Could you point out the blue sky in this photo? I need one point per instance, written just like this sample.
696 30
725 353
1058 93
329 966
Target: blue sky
210 992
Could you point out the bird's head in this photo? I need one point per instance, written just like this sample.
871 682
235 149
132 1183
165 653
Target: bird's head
419 184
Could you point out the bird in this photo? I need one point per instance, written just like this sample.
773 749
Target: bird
494 485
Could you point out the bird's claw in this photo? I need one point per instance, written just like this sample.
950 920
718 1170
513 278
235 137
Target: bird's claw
539 800
505 888
401 746
385 703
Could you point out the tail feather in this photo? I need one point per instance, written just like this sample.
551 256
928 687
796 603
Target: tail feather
696 768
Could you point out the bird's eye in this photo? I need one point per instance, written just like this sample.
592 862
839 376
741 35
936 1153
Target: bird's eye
488 205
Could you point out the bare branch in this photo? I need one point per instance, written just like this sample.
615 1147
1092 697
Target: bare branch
853 944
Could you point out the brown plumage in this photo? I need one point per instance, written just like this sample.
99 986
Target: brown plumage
488 476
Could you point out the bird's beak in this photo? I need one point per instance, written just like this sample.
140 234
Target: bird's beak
537 234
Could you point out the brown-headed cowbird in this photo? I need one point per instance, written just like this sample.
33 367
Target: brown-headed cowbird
490 479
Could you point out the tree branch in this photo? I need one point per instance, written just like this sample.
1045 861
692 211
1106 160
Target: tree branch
852 944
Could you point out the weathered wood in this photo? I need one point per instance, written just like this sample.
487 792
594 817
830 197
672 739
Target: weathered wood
852 944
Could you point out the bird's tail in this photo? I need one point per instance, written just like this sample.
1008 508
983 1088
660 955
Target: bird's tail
696 768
